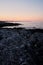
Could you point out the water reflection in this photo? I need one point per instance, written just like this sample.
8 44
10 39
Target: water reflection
27 25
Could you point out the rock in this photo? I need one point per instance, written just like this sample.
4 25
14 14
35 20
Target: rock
21 47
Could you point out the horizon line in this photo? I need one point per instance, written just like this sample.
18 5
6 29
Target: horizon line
21 20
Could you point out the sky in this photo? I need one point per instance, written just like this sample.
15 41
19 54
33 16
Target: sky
21 10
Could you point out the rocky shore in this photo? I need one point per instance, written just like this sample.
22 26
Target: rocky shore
19 46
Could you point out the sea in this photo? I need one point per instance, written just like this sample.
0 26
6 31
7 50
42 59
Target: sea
28 25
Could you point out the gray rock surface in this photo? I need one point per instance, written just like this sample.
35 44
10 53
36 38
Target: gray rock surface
21 47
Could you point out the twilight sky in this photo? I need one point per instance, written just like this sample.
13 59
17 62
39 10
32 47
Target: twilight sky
30 10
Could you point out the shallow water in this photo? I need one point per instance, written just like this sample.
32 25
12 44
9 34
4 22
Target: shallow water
28 25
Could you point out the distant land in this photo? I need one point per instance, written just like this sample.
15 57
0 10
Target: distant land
5 23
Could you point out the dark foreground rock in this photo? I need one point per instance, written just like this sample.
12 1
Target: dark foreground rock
21 47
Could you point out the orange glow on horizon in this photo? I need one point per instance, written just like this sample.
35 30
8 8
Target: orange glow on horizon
20 18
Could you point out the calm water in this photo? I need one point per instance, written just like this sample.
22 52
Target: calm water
28 25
